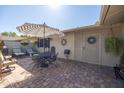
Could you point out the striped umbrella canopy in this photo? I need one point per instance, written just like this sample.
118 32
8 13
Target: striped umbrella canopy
38 30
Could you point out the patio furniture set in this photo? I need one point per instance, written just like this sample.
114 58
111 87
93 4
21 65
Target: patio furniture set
46 58
41 31
18 51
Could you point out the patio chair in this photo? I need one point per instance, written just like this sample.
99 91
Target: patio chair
17 52
53 50
30 51
53 56
5 64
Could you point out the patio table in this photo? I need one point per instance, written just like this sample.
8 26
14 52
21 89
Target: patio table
42 58
45 55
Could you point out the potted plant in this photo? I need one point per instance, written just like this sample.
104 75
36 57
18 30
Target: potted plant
24 43
112 45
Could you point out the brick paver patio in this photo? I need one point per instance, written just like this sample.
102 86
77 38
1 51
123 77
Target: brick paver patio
65 75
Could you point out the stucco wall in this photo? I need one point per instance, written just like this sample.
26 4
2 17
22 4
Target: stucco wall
84 51
56 41
104 58
108 59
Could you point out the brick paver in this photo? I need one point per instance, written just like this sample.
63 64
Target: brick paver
67 74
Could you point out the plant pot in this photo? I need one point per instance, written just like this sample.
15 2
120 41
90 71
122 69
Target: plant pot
122 66
24 44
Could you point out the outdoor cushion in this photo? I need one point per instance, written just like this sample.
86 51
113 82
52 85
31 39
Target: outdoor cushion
17 50
19 54
8 57
30 51
9 62
35 56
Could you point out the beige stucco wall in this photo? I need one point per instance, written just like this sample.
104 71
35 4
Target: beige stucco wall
56 41
108 59
104 58
84 51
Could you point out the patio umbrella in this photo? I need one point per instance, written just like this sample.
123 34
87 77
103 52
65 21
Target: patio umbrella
39 30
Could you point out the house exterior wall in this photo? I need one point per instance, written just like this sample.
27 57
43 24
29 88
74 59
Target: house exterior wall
74 41
84 51
56 41
108 59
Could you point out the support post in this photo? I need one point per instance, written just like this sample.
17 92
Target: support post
44 38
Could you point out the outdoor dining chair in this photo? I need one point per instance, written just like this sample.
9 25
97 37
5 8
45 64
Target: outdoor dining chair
53 56
47 58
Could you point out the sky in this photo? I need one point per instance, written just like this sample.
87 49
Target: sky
61 17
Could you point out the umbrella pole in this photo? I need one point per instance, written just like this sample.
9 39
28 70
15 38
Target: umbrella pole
44 38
